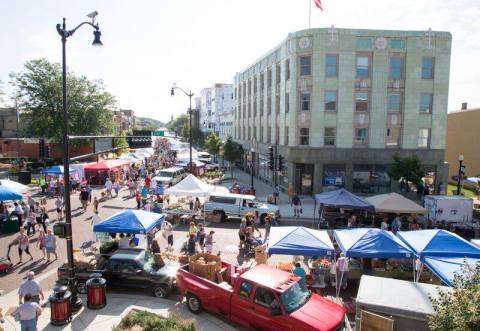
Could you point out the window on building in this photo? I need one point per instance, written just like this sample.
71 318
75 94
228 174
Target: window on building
394 102
423 138
269 134
277 73
330 100
261 107
304 136
329 137
306 65
427 67
261 134
249 112
285 137
262 81
249 131
287 102
331 69
269 105
361 136
244 136
277 104
365 43
426 102
393 135
277 135
255 132
397 44
255 108
287 69
269 77
363 66
361 101
395 70
305 101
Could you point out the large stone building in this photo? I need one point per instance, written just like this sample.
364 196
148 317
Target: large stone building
9 123
339 103
216 109
463 133
124 120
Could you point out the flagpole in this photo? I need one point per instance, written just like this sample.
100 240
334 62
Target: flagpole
309 14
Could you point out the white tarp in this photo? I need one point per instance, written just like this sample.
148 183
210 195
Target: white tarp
191 186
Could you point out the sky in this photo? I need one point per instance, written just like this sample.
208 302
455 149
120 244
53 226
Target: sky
150 44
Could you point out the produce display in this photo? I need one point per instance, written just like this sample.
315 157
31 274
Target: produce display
320 263
285 266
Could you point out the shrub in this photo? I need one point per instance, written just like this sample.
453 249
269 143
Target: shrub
153 322
108 247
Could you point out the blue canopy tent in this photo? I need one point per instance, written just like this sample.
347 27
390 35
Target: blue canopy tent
56 170
446 267
293 240
371 243
442 251
341 198
131 221
8 194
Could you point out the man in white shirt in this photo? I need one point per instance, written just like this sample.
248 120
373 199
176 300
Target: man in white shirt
108 187
28 313
30 287
342 271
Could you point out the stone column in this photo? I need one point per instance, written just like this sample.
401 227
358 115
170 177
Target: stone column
349 177
317 178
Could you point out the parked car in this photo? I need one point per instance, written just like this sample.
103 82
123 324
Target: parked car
237 205
262 298
169 176
204 157
128 268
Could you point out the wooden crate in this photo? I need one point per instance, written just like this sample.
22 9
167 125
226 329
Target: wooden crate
206 270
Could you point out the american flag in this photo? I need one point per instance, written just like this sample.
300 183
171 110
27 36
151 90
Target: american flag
318 3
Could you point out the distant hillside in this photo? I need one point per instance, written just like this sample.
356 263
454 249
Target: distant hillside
146 123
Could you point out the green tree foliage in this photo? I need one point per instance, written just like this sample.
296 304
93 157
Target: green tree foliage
231 152
178 124
198 137
459 309
213 144
39 91
121 143
408 169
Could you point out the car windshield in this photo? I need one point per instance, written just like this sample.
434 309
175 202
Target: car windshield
165 174
147 262
295 297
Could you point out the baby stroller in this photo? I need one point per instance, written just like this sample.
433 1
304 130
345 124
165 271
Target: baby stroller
250 244
5 262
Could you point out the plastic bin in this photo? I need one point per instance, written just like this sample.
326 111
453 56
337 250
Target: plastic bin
60 306
96 291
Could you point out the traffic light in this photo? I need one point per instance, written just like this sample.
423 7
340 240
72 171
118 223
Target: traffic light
271 159
280 163
41 147
47 151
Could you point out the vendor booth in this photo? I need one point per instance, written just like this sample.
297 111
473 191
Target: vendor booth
442 251
14 185
97 173
446 267
339 200
297 240
190 186
131 221
56 170
395 203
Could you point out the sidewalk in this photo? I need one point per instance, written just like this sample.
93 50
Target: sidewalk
110 315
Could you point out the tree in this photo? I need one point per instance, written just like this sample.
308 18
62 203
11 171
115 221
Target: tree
408 169
232 152
1 91
38 90
122 144
213 143
178 124
458 310
198 137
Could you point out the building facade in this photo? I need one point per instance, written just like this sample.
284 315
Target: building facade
216 109
9 123
462 134
124 120
338 104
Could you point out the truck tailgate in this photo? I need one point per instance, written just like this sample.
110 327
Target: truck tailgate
214 297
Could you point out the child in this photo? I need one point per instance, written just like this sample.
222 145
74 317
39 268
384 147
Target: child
209 242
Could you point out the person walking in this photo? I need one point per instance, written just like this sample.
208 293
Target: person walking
242 231
41 242
191 245
297 205
167 233
32 288
23 243
18 210
28 313
268 226
116 188
201 238
138 199
95 205
108 187
84 199
30 222
342 271
39 216
59 206
209 242
51 245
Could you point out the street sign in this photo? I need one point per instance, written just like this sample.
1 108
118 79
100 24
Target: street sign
158 133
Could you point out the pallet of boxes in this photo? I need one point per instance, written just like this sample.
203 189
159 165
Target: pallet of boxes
206 266
261 255
214 217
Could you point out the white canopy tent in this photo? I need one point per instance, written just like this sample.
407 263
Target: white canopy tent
14 185
191 186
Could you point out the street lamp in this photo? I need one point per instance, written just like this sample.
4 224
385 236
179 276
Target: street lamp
64 33
252 155
189 95
460 173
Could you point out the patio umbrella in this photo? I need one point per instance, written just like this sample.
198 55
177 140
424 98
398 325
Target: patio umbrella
14 185
8 193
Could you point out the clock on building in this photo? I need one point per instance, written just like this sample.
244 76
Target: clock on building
305 42
381 43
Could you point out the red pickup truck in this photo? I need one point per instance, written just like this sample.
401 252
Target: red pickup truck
262 298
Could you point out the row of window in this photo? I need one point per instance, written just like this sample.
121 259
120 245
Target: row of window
362 101
363 64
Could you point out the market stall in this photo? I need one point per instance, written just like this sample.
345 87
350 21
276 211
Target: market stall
446 267
434 246
57 170
14 185
97 173
340 199
395 203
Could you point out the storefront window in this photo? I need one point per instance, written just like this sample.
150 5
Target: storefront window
333 176
371 179
304 178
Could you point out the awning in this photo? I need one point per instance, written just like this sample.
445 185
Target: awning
292 240
446 267
106 165
371 243
56 170
131 221
342 199
14 185
190 186
9 194
395 203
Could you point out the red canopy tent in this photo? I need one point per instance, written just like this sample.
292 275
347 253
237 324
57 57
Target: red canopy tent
96 173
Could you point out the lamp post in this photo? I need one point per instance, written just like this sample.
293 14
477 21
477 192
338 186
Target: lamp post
64 33
189 95
252 163
460 173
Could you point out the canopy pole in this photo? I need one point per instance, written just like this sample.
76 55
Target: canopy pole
314 210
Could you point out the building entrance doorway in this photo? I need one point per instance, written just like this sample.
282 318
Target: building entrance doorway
304 178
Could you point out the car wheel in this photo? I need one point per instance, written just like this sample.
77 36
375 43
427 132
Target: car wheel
194 304
82 288
160 291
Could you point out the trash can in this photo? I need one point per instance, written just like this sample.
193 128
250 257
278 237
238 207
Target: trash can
25 177
60 306
11 225
96 291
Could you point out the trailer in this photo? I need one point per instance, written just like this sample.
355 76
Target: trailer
449 209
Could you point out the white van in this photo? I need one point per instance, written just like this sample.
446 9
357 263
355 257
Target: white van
204 157
169 176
